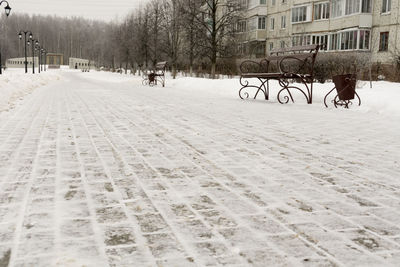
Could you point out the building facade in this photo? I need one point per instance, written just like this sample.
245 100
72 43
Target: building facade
80 64
364 26
54 60
20 62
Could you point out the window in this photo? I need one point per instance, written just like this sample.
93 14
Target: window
272 24
241 26
321 11
364 39
282 44
240 49
352 6
337 8
386 6
366 6
321 40
243 3
334 41
260 49
273 2
271 46
300 40
348 40
348 7
384 41
284 1
261 23
263 2
283 22
301 14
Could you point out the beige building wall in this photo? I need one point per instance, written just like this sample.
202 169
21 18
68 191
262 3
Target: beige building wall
386 22
20 62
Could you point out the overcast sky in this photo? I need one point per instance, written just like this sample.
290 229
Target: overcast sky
92 9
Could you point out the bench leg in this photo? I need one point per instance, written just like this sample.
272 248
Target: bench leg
284 83
243 92
264 89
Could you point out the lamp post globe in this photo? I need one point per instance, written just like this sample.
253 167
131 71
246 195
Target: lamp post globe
7 8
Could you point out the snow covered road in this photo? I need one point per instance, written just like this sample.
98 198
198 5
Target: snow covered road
113 173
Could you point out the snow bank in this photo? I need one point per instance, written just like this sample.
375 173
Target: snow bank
15 85
381 98
104 76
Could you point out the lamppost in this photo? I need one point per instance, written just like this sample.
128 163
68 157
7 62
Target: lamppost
33 43
39 49
8 11
7 8
44 53
25 33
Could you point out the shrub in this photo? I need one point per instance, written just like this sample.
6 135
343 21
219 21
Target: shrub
330 64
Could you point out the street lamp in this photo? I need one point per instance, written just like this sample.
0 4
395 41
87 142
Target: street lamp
7 8
44 53
25 33
8 11
39 49
33 43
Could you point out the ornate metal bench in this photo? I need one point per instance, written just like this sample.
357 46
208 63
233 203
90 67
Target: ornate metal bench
284 65
151 77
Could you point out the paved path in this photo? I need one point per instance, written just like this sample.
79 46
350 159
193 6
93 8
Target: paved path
116 174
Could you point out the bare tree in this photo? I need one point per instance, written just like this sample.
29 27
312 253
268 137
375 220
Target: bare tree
216 19
191 31
172 27
156 15
73 37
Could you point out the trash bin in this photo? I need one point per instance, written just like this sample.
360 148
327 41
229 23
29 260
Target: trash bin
152 77
345 86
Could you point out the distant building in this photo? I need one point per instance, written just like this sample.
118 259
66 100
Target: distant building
20 62
54 60
370 28
80 64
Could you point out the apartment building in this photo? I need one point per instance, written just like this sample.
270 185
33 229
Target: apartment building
363 26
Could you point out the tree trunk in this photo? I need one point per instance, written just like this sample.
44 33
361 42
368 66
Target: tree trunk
370 76
213 64
174 71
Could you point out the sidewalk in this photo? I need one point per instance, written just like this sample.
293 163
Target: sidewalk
96 173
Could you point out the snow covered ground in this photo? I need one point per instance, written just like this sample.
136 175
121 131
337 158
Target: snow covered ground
98 170
15 85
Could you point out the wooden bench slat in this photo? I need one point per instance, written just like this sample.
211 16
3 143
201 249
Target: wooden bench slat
261 75
295 49
298 56
274 75
161 65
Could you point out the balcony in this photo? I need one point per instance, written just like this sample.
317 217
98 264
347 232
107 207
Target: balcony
259 10
256 35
